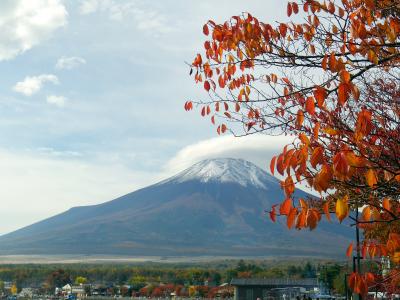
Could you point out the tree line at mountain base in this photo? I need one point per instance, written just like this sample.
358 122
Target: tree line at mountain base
152 278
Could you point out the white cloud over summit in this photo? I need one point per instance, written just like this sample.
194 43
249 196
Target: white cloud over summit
32 84
258 149
26 23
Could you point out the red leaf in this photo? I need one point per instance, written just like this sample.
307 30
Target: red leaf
291 217
310 106
272 214
283 29
223 128
295 7
188 105
289 9
205 29
207 86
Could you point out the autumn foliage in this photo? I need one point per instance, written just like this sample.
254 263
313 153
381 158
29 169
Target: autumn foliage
332 82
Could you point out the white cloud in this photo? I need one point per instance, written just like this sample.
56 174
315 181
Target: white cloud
69 62
145 19
258 149
56 100
89 6
26 23
32 84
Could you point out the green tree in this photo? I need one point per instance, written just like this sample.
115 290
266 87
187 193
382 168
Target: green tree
58 278
137 282
80 280
328 273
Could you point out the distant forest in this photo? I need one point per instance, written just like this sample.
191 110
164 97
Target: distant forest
48 276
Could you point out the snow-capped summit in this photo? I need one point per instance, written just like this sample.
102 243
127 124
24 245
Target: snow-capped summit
226 170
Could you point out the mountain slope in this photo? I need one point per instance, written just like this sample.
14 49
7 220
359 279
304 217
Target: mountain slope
213 208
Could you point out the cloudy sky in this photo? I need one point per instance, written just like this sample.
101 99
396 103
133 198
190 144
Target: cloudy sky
91 99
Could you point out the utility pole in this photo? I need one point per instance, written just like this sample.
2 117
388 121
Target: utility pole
357 268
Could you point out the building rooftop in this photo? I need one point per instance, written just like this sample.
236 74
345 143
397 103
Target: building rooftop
274 282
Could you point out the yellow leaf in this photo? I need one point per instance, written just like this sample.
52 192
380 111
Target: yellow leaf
342 209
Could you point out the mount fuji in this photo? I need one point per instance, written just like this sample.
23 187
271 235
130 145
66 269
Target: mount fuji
216 207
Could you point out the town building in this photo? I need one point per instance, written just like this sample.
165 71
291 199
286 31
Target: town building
273 288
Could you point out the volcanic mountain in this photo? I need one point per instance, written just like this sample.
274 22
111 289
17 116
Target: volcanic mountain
216 207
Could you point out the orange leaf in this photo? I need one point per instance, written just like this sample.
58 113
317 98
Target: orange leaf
345 76
326 210
279 165
289 186
301 219
366 213
324 62
303 204
316 130
272 165
332 62
370 178
386 204
349 250
340 164
312 219
320 95
299 119
317 157
323 179
285 207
